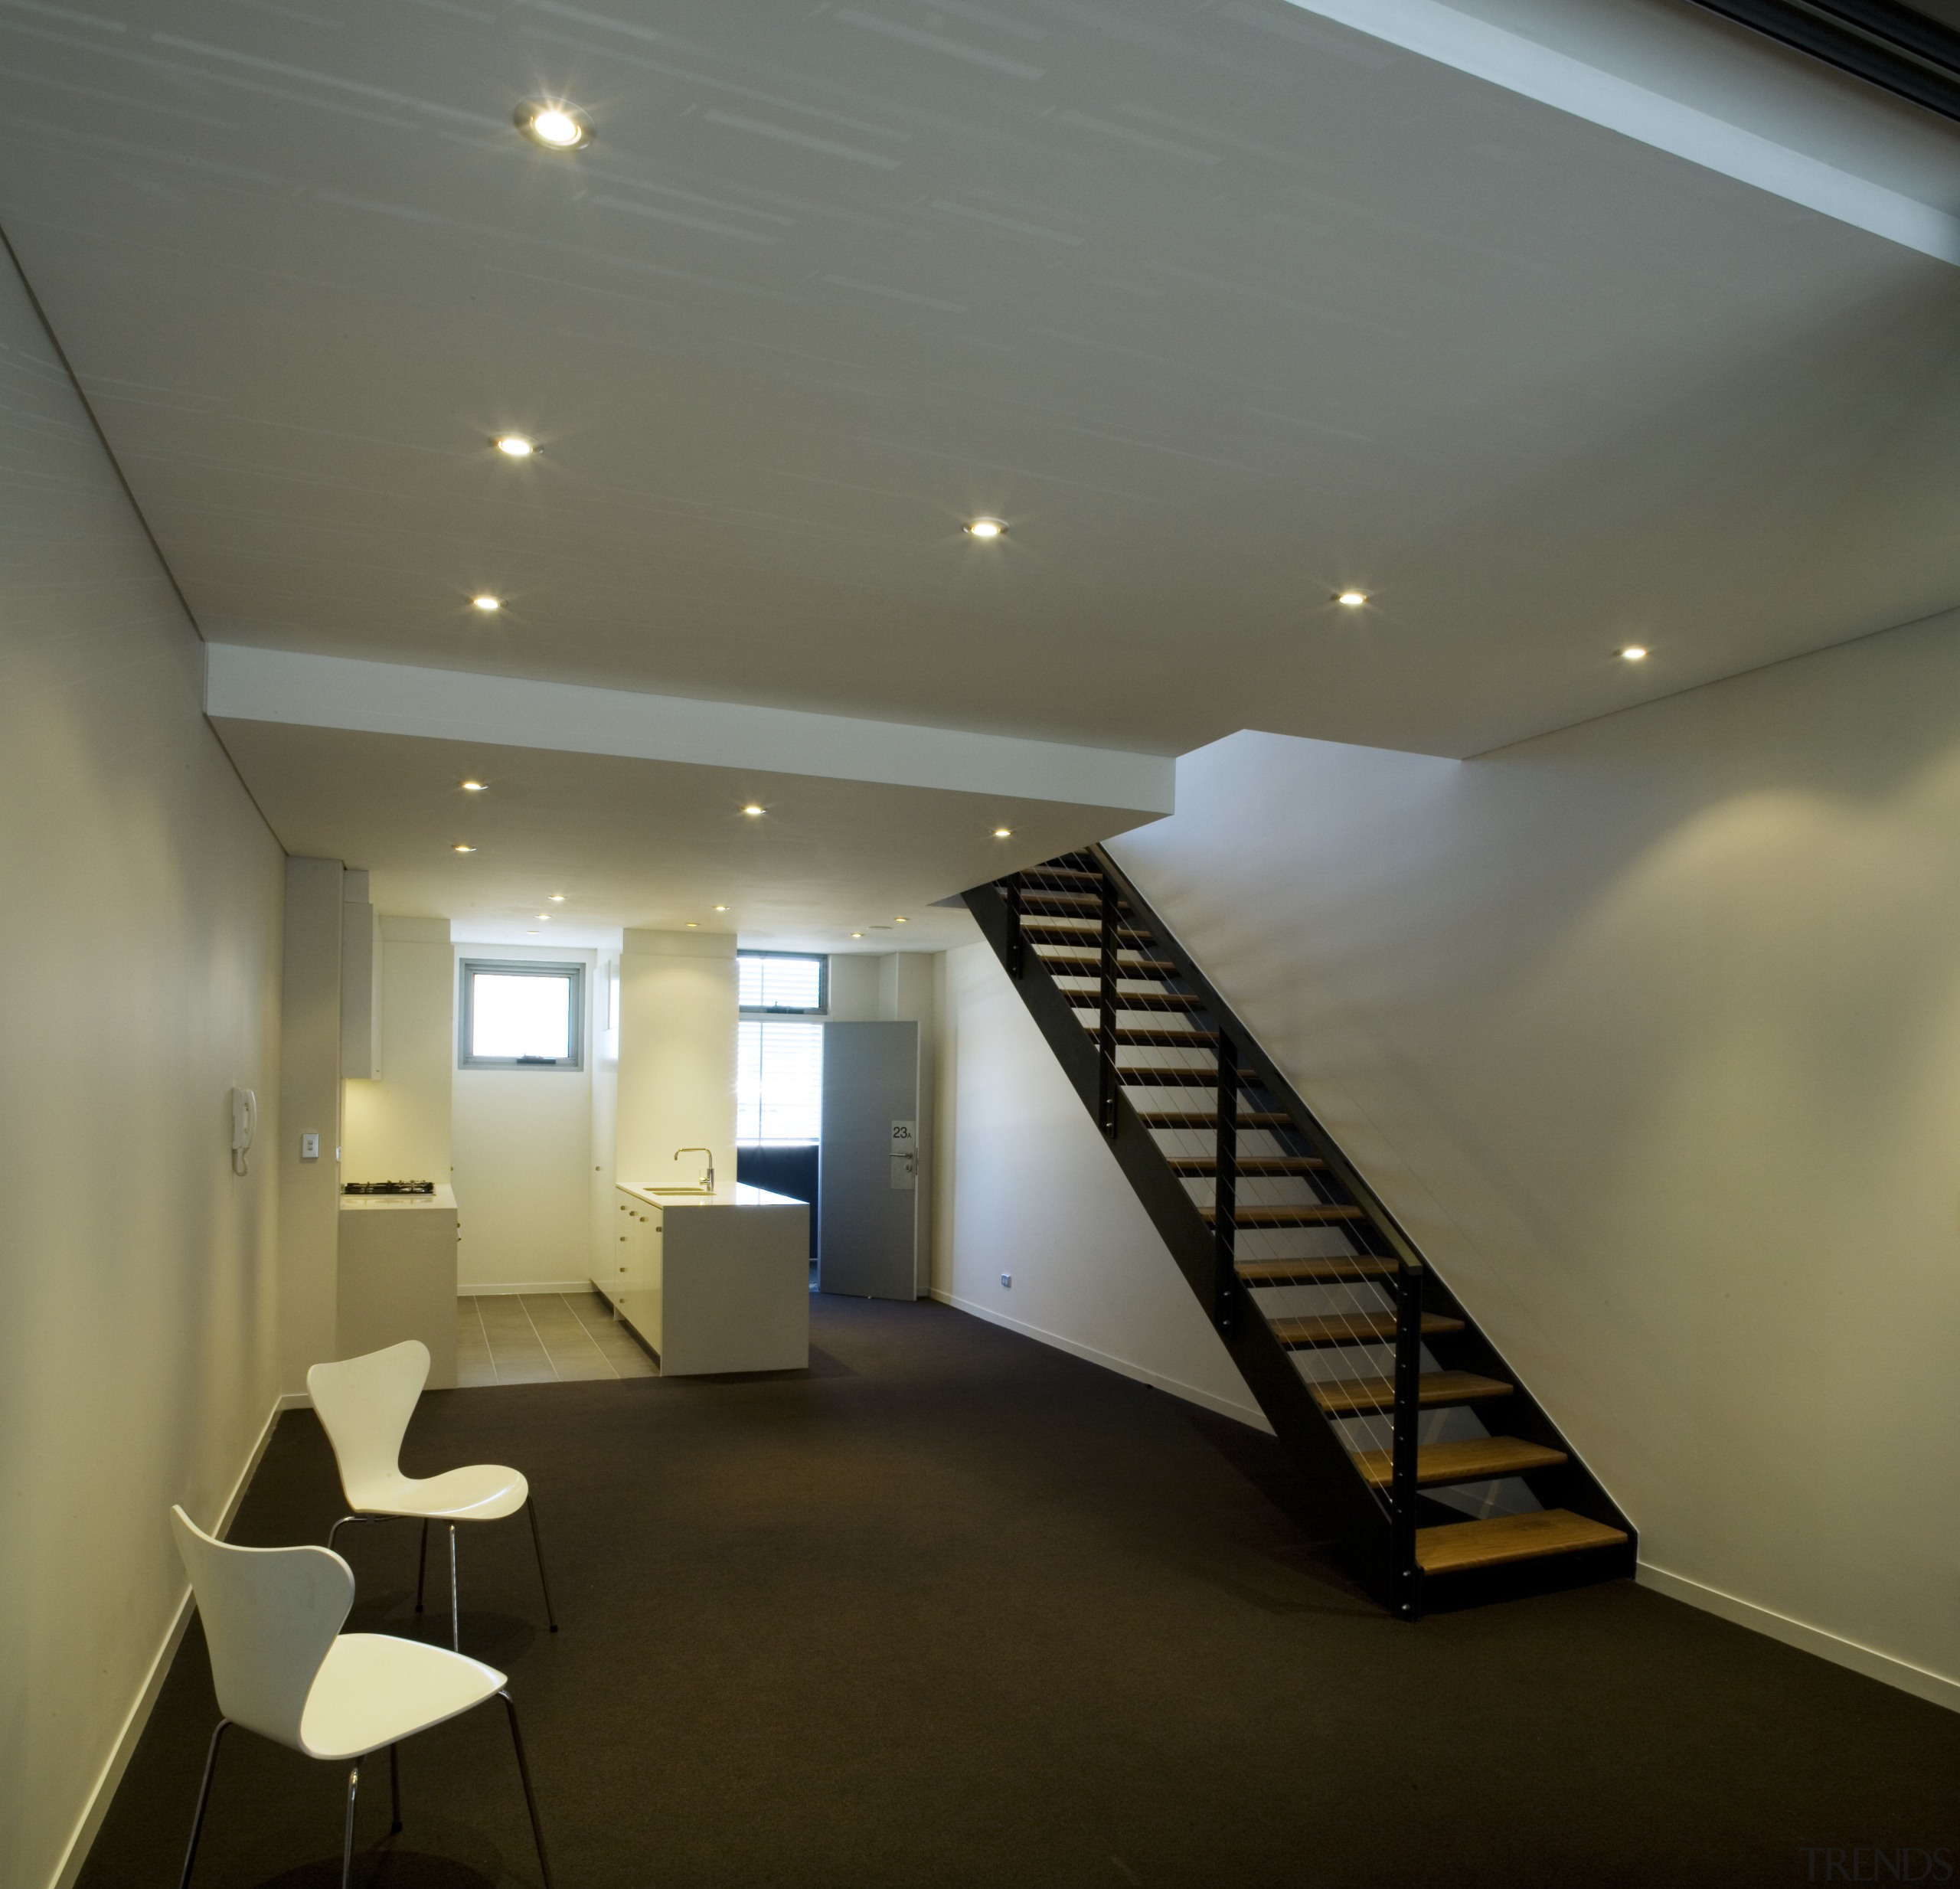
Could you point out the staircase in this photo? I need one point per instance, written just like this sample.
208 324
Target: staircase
1437 1477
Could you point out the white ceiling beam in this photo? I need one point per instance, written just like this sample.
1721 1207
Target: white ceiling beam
1535 70
246 683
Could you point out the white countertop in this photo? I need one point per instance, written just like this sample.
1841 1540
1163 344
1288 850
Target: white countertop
444 1196
738 1195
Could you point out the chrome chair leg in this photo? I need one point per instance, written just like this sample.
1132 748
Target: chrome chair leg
345 1520
394 1784
455 1606
422 1567
529 1800
537 1548
347 1842
203 1803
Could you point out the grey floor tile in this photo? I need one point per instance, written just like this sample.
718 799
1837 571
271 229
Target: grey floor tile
582 1370
510 1338
540 1372
516 1347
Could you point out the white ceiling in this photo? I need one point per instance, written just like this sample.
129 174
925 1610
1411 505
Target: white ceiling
634 806
632 842
1221 305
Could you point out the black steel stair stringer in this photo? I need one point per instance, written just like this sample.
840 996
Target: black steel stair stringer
1570 1485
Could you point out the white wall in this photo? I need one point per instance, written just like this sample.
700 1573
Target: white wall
520 1146
677 1055
1650 1031
602 1202
138 1327
1027 1186
396 1126
308 1103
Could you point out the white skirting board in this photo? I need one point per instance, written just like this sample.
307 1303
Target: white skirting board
1246 1413
1921 1683
1888 1671
543 1287
126 1741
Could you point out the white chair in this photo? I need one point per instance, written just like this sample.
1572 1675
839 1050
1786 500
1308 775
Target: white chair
363 1404
282 1668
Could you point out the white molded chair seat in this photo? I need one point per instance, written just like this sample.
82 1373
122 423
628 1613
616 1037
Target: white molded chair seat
281 1667
364 1405
373 1690
483 1491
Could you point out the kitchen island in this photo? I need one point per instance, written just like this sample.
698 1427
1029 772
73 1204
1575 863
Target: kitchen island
712 1283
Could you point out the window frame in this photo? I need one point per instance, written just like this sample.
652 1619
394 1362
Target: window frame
572 970
821 1008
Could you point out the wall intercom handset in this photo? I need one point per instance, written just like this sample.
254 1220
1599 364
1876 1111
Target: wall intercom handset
244 1126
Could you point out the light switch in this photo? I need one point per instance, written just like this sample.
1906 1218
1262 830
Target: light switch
309 1148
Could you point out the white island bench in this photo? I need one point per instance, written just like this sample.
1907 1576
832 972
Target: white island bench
713 1282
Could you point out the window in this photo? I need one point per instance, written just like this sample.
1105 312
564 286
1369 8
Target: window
778 1081
522 1016
778 980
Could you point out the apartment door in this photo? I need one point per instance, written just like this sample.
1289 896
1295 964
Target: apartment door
867 1189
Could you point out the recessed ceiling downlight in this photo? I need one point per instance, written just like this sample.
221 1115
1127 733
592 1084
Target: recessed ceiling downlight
515 446
1004 832
474 786
460 848
554 125
752 811
1352 599
486 602
1633 653
984 528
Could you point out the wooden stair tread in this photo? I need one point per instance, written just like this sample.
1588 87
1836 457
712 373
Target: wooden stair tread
1307 1214
1083 931
1156 1039
1141 1000
1046 904
1254 1165
1352 1327
1208 1118
1355 1397
1330 1269
1457 1546
1473 1460
1132 968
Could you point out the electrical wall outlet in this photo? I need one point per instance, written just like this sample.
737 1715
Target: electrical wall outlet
1007 1279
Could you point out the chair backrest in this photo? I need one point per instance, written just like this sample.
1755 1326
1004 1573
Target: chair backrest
269 1615
363 1404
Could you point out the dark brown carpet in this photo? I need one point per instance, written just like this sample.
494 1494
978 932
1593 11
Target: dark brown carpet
956 1608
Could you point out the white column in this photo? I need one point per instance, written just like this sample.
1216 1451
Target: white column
677 1055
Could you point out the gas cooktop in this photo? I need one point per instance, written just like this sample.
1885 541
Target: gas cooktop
387 1187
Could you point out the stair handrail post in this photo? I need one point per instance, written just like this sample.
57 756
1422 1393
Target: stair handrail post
1225 1189
1408 1411
1017 945
1106 1010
